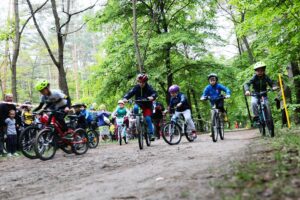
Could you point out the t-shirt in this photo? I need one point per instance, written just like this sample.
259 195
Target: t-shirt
11 126
57 99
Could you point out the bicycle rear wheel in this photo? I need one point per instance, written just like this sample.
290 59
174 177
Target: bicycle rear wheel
171 133
45 144
26 141
80 145
214 127
221 127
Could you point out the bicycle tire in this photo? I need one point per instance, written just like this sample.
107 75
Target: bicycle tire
147 136
26 141
80 136
214 128
45 139
93 137
221 128
140 131
269 123
170 131
120 135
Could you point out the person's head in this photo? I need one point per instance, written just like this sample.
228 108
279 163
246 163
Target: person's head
9 97
82 106
12 114
142 79
173 90
102 107
25 107
121 103
212 79
260 68
43 86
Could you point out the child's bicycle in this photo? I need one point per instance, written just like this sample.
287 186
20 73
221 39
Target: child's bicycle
217 121
173 131
265 120
51 137
121 130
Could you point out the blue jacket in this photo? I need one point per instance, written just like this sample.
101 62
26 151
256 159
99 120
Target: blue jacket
180 98
100 117
214 92
142 93
87 115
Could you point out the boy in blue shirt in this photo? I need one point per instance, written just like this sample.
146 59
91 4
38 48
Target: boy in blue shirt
214 90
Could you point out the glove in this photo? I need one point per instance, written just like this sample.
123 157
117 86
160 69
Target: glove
247 93
227 96
203 98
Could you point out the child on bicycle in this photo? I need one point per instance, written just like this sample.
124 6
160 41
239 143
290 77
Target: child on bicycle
214 92
54 100
179 104
27 116
143 91
259 82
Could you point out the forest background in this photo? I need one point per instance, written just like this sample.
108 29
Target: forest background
92 50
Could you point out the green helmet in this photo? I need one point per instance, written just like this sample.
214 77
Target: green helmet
259 65
42 84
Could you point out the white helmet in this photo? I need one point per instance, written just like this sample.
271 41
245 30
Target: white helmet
121 101
259 65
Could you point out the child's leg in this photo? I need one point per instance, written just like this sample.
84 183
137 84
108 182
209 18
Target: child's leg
254 101
188 117
14 143
9 144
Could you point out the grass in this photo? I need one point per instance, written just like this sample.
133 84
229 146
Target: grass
270 171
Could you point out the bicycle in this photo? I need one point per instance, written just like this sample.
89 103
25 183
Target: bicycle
173 131
264 114
217 121
121 130
141 126
51 137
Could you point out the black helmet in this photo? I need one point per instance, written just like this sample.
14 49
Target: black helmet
212 75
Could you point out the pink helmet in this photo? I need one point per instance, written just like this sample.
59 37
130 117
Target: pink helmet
174 89
142 77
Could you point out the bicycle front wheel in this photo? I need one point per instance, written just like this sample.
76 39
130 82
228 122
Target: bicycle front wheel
45 144
120 135
221 127
93 137
140 132
171 133
147 136
26 141
214 127
269 123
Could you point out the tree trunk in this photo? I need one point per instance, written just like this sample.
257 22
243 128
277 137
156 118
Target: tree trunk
197 109
15 51
249 50
140 66
296 83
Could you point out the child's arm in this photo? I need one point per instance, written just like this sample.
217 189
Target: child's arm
226 90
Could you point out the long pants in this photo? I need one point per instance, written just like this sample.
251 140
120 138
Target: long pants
254 105
157 124
147 118
11 144
188 118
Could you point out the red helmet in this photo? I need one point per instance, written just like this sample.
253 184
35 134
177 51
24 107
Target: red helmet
142 78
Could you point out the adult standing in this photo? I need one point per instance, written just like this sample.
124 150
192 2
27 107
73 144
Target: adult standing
5 107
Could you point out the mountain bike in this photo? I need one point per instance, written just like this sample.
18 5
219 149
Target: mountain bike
265 120
173 131
121 130
51 137
217 121
141 126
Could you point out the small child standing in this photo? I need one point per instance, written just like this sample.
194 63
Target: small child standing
11 134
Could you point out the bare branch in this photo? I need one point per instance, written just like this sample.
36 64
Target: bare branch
180 9
41 34
65 34
29 18
76 13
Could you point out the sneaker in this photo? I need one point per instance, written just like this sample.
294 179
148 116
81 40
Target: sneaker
16 154
152 137
9 155
69 136
194 134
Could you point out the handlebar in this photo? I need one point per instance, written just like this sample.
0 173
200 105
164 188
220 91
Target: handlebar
218 98
258 94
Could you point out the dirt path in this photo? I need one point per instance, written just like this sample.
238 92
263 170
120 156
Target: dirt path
113 172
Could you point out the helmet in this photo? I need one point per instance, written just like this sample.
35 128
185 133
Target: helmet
259 65
27 102
212 75
102 107
121 101
142 77
174 88
42 84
